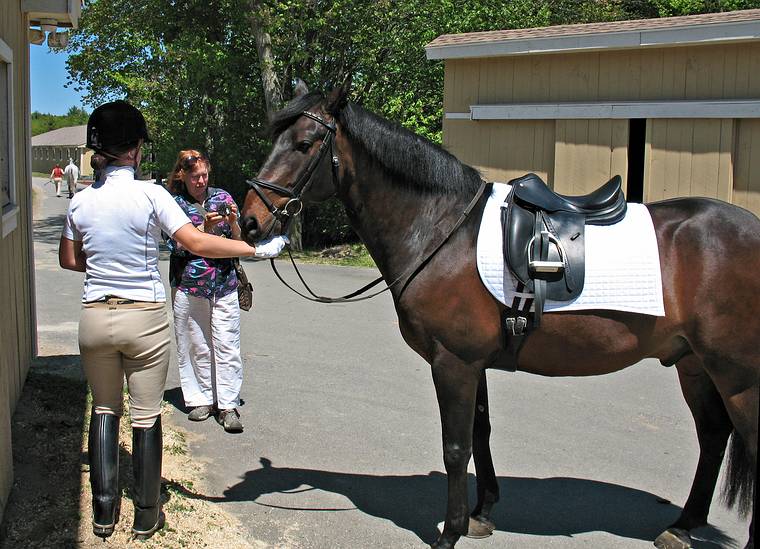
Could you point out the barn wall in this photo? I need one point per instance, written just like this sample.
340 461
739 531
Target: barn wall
706 157
17 321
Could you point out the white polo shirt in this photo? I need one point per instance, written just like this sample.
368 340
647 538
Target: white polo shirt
119 221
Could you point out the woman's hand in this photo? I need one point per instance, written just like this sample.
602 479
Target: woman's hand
211 220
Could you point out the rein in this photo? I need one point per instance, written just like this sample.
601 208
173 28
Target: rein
409 274
304 181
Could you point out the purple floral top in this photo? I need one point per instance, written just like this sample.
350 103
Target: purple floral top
201 276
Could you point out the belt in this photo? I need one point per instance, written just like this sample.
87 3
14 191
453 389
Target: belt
114 300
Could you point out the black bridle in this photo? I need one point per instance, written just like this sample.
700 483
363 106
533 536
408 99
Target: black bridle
284 215
294 205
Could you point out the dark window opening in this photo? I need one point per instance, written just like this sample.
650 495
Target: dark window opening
637 132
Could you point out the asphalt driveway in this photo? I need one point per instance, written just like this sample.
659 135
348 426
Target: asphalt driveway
342 444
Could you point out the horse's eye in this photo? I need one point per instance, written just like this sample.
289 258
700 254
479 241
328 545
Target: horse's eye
303 146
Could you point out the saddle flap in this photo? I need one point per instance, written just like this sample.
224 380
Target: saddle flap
565 246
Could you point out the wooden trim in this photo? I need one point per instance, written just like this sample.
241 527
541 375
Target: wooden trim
10 220
6 54
749 108
10 212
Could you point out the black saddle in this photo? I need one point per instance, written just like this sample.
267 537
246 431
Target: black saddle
544 244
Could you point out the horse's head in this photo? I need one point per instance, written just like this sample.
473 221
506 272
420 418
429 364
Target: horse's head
302 166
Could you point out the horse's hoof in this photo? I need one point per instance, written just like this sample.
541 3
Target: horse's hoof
479 528
673 538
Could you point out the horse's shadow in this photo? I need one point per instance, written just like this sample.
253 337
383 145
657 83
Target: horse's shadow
558 506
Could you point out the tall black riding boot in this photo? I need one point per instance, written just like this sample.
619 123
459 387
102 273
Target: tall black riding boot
146 468
103 452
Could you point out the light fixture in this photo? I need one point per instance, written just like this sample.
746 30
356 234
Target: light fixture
49 25
36 36
58 40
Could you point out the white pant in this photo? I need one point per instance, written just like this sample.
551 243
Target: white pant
208 349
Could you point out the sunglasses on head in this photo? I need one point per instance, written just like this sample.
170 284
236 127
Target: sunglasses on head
190 161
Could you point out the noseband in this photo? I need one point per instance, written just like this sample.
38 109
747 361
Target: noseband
294 205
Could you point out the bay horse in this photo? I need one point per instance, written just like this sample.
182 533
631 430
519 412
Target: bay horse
401 193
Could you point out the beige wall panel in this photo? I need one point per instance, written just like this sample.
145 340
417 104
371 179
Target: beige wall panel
725 184
574 76
620 76
503 150
746 191
753 90
532 80
689 157
619 158
588 153
449 74
464 85
497 80
703 72
652 74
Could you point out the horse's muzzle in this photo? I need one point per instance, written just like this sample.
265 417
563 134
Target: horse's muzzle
251 230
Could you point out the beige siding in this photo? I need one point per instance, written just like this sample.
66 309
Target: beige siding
747 166
689 157
705 157
17 321
503 150
587 153
700 72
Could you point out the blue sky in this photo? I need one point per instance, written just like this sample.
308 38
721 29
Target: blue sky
48 75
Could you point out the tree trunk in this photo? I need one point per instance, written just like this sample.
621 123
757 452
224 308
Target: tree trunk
270 84
269 81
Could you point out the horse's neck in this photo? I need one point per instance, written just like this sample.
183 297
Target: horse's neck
399 226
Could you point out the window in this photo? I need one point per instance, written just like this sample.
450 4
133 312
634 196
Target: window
7 151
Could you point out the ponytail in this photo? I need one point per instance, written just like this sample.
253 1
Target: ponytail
98 162
102 158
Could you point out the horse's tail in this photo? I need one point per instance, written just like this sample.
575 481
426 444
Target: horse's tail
739 480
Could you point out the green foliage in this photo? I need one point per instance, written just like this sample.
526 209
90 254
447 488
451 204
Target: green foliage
667 8
193 69
42 123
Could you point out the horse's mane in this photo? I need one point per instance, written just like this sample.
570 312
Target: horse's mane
413 159
421 164
283 119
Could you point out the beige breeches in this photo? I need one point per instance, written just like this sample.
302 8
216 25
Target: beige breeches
125 340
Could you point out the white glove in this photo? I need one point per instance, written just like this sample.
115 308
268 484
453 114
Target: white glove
271 248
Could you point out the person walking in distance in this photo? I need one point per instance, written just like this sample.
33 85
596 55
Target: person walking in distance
57 176
206 310
111 233
72 176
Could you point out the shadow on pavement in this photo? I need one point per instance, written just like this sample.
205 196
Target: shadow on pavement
47 230
557 506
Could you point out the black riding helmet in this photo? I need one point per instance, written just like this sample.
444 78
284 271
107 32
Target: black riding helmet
113 124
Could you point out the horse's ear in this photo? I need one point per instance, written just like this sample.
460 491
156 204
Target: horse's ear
300 88
337 98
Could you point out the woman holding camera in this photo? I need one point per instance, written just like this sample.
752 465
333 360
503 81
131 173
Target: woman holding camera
206 310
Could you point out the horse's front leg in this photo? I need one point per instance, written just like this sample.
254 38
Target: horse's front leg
488 488
456 385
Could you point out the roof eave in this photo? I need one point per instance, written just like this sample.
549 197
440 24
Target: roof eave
720 33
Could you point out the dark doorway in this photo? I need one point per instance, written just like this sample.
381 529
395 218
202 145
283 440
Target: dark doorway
637 131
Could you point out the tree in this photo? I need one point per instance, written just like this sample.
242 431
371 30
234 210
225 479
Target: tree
208 74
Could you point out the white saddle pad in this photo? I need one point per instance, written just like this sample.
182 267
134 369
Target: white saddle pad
622 263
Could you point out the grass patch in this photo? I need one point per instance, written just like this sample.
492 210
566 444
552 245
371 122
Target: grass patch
351 255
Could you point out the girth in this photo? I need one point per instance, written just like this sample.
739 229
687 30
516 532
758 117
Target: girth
544 245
